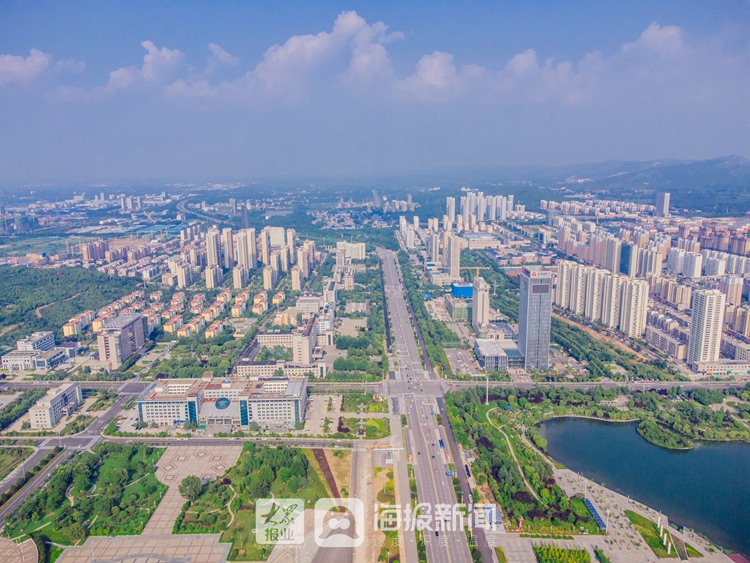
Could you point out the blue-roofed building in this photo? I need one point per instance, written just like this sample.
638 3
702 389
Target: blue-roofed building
462 290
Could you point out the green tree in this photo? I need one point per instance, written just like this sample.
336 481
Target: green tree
190 488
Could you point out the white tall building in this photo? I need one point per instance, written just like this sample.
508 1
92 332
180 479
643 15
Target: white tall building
595 281
213 247
453 256
693 265
213 277
731 286
480 303
634 308
242 250
252 246
611 301
227 247
704 343
662 204
239 277
450 208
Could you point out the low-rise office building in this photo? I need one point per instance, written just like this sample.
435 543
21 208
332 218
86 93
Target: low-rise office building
58 402
38 360
41 341
278 402
497 355
121 337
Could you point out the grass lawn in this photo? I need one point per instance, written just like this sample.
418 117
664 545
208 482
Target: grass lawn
340 462
78 424
54 553
389 551
318 484
555 554
387 492
650 532
240 533
375 428
681 546
352 401
580 509
103 401
11 457
208 514
134 504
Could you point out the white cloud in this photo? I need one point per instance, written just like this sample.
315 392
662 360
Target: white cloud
351 61
668 41
16 68
220 56
287 68
71 66
159 65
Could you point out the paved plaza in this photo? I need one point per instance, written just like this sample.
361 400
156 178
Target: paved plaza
177 463
203 548
157 544
11 552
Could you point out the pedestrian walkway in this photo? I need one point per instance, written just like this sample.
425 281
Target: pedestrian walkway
197 548
12 552
177 463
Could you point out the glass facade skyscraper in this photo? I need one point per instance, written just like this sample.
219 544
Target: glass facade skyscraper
535 318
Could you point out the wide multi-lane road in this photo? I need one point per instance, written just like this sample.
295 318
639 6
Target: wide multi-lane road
434 487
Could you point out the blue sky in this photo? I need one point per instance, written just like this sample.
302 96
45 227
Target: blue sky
107 91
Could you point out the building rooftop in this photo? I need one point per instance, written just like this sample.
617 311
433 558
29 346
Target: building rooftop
489 347
121 321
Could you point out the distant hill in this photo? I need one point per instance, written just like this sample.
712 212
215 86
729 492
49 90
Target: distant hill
715 187
719 186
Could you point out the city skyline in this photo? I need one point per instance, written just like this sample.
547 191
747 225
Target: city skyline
374 281
240 91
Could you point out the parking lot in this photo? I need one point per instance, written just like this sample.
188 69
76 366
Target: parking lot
317 412
463 362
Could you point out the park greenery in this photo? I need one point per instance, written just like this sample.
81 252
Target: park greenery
110 490
104 400
10 458
366 358
34 299
227 505
650 532
663 436
351 402
192 357
549 553
15 410
512 470
77 424
190 488
370 429
598 355
435 334
275 354
506 468
27 476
